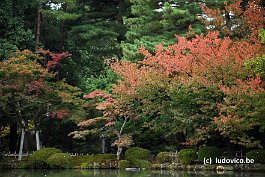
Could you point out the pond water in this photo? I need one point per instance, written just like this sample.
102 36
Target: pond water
119 173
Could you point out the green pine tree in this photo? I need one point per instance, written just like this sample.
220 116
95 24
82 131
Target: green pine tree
92 40
154 22
16 25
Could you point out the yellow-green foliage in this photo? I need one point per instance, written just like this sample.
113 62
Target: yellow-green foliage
90 159
39 158
256 66
209 152
124 164
262 35
137 153
186 156
60 160
164 157
87 165
4 132
136 157
141 163
258 155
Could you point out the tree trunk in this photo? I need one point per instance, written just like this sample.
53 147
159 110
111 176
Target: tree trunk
119 136
37 123
48 131
21 144
103 145
37 140
13 138
230 148
62 37
27 141
38 30
122 8
119 152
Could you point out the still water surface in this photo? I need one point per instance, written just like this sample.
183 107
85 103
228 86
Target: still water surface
119 173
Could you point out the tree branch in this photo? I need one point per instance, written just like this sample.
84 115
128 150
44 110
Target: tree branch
123 125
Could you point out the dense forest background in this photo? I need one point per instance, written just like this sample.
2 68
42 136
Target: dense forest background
110 52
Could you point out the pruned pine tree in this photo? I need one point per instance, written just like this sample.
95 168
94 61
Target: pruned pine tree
155 22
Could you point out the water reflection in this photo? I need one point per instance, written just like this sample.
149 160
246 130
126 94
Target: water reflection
120 173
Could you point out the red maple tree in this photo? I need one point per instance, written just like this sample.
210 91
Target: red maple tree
56 59
236 19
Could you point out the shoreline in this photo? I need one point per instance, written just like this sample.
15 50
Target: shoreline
8 164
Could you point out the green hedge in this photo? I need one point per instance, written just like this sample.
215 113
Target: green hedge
186 156
90 166
98 158
141 163
258 155
164 157
137 153
39 158
209 152
124 164
60 160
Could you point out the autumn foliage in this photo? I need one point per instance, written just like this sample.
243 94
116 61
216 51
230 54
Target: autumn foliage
208 56
26 87
209 61
56 59
237 20
198 87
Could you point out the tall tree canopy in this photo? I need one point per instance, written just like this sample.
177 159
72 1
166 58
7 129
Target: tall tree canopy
28 89
16 25
155 22
200 89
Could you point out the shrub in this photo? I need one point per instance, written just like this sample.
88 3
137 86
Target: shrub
124 164
137 153
105 156
4 165
164 157
186 156
90 166
142 163
156 166
258 155
60 160
85 165
23 165
39 158
78 160
209 152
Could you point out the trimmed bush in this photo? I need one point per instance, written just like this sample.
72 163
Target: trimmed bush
186 156
90 166
39 158
98 158
124 164
164 157
156 166
23 165
137 153
106 156
60 160
142 163
258 155
209 152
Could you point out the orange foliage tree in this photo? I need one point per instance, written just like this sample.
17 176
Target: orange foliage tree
198 87
237 19
26 88
205 61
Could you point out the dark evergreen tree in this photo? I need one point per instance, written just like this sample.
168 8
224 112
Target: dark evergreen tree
93 40
16 25
154 22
